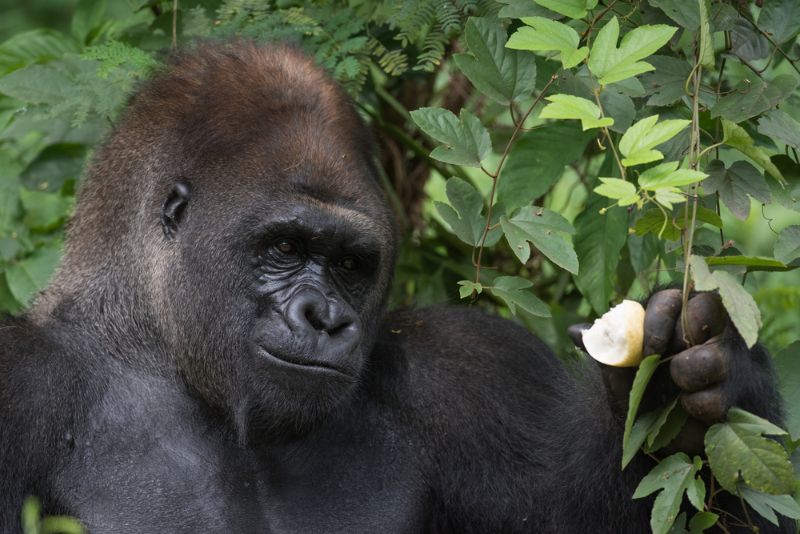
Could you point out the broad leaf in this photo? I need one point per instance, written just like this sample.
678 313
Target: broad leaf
666 82
26 277
737 137
464 213
499 73
672 476
574 9
643 375
617 189
777 124
468 287
638 434
545 35
739 304
701 521
537 161
787 247
513 290
737 453
465 140
705 45
683 12
574 107
780 19
787 366
668 175
44 211
736 185
746 42
753 263
619 107
611 64
766 505
667 427
35 46
751 98
598 241
639 142
544 229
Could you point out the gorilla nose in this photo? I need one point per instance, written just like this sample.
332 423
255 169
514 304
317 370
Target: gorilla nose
312 315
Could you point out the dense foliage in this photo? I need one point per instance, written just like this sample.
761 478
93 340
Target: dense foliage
546 159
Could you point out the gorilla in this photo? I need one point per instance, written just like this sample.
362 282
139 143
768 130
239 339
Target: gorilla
214 355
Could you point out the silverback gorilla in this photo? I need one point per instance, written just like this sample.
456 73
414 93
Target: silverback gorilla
213 354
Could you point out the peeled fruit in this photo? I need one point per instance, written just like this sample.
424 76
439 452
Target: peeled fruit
617 337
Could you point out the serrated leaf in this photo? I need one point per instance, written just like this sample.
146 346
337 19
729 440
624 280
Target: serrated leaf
766 505
598 242
468 288
639 142
736 453
643 375
787 247
465 140
574 9
544 229
512 290
736 185
574 107
672 476
666 82
752 98
537 161
777 124
749 422
739 304
668 175
501 74
464 213
545 35
737 137
611 64
780 19
35 46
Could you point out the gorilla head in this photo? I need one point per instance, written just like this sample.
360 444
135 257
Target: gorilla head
233 225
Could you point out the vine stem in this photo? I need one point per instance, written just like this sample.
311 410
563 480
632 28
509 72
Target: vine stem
496 177
608 135
694 160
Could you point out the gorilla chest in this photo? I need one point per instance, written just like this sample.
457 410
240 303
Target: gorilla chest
158 472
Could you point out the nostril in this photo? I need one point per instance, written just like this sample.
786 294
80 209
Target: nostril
312 319
339 329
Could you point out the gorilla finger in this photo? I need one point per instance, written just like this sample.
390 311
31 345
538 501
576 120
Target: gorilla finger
705 317
698 367
663 310
575 332
708 405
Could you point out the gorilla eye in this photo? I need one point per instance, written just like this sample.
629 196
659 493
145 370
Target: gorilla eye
286 248
349 263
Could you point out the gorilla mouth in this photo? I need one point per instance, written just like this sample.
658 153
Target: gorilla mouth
294 362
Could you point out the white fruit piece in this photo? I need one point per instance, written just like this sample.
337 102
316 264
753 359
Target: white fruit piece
616 338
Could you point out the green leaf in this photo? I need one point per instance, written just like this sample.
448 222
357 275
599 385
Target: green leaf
753 263
736 185
643 375
749 422
28 276
616 188
512 290
683 12
737 137
666 82
777 124
752 98
668 175
672 476
468 288
787 367
737 453
544 229
611 64
54 166
701 521
739 304
766 505
666 427
639 432
464 213
501 74
787 247
780 19
619 107
88 17
705 44
465 140
639 142
598 242
537 161
44 211
545 35
574 107
654 222
574 9
35 46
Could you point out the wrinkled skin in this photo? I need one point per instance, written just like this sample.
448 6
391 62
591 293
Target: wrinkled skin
214 355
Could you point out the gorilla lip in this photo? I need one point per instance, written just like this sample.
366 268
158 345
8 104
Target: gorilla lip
311 365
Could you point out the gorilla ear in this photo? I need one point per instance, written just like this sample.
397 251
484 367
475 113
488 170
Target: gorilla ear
174 208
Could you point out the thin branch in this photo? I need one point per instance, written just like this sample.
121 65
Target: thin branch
174 24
